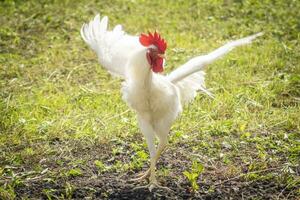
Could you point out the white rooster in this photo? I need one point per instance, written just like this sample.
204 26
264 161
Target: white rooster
157 99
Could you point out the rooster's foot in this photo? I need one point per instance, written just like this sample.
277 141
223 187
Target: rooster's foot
153 184
141 176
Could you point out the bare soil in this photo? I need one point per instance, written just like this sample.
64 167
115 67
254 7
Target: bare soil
116 185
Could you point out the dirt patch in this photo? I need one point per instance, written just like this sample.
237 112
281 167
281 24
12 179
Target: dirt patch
111 187
114 184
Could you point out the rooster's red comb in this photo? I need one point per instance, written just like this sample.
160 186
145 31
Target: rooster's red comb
153 39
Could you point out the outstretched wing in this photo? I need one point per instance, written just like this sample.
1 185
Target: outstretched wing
189 77
113 48
198 63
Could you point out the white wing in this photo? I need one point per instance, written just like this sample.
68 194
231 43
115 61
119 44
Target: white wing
189 77
199 62
189 86
113 48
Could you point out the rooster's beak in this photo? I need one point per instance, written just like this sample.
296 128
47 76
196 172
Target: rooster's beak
162 56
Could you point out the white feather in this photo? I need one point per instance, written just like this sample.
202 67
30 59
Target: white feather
113 48
190 78
189 86
199 62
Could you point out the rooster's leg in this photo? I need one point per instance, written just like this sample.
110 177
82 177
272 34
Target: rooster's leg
153 162
162 130
161 146
153 181
149 135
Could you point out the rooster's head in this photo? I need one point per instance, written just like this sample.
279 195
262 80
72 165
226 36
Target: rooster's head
156 50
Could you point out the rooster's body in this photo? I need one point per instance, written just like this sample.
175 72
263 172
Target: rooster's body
157 99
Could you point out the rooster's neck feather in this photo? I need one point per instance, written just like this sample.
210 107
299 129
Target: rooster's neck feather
139 68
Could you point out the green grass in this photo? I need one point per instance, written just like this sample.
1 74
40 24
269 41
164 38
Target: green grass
57 100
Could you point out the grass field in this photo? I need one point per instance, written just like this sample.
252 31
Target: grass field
65 132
